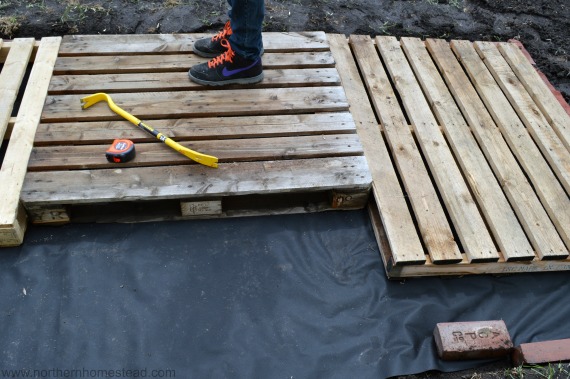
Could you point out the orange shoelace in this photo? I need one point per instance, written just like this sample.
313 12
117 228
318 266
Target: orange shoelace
228 56
225 32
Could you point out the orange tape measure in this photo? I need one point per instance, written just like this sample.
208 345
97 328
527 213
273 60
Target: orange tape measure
122 150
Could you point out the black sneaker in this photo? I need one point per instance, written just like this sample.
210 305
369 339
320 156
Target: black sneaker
211 47
227 68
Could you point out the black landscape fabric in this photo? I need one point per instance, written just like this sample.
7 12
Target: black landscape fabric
297 296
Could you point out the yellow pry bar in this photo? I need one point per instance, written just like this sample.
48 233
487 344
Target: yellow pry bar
206 160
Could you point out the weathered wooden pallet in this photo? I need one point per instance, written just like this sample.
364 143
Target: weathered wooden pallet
288 144
468 152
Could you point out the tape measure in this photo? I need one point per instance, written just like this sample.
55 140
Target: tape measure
122 150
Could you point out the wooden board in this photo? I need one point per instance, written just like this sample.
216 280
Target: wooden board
287 144
14 164
445 134
402 237
493 203
432 222
551 108
468 222
526 204
11 79
551 192
544 136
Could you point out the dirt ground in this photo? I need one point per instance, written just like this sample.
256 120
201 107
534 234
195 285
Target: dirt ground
541 25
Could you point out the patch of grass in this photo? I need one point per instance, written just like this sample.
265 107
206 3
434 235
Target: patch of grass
383 28
40 4
455 3
514 373
9 25
172 3
5 4
550 371
74 11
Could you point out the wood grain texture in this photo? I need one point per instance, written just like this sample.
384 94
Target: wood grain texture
549 189
549 143
176 43
434 227
120 64
15 162
196 181
403 240
533 83
207 128
53 158
179 81
227 102
11 78
499 215
532 215
469 224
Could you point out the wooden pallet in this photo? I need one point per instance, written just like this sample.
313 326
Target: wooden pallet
288 144
468 152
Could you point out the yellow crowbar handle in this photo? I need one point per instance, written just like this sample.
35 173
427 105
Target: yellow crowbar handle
204 159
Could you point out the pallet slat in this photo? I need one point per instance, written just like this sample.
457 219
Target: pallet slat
533 217
6 46
544 136
175 43
116 64
181 129
555 200
403 239
499 215
462 209
429 213
11 78
51 158
238 102
535 86
173 182
179 81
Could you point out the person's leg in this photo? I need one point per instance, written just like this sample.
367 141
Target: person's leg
246 17
241 61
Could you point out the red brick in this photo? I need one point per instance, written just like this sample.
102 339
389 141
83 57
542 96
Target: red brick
472 340
542 352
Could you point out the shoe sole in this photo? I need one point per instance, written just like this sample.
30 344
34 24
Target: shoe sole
252 80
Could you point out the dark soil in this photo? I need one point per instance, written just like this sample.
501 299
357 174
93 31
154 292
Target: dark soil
541 25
